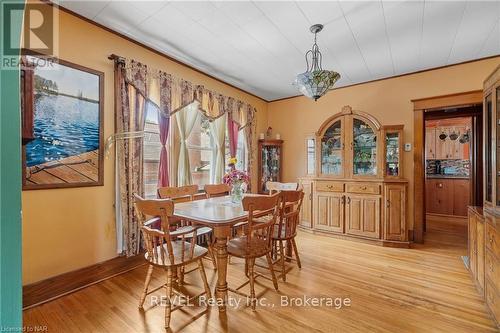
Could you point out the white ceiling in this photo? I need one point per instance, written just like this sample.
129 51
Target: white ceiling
259 46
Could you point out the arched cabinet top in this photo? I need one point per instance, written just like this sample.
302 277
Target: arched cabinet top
346 111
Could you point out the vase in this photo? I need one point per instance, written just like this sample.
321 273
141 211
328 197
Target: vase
237 192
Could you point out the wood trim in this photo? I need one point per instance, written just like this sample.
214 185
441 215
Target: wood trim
60 285
421 106
458 99
396 76
149 48
418 176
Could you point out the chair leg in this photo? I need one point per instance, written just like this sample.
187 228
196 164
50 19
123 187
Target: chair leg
168 308
282 261
204 278
246 267
212 255
146 285
181 275
296 252
251 263
270 263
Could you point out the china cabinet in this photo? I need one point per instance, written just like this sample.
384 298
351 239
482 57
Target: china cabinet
358 190
270 162
484 223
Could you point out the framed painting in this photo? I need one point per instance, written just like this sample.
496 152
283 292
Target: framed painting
62 124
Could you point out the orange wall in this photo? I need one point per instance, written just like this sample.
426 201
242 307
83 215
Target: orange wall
388 100
66 229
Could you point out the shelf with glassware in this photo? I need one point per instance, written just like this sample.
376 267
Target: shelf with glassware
358 190
270 162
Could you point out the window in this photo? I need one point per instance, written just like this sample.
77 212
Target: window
200 145
152 147
241 151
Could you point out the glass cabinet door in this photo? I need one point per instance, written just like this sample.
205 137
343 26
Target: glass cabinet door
311 156
364 146
392 154
487 147
332 147
271 157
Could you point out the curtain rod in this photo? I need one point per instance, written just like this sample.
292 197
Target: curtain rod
116 58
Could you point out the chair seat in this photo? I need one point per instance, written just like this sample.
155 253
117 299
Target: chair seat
198 252
238 247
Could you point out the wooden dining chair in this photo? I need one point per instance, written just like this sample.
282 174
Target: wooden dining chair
274 187
168 250
184 194
257 240
217 190
286 228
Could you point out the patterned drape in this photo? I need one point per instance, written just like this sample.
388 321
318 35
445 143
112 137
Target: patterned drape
164 126
130 118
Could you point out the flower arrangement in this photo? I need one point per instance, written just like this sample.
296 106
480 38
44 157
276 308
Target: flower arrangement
236 177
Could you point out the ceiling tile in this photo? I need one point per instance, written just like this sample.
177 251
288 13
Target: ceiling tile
88 9
404 28
121 16
372 42
441 23
478 21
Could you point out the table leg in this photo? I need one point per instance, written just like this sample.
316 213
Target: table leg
221 236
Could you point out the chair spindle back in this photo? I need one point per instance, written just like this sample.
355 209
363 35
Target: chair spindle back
263 212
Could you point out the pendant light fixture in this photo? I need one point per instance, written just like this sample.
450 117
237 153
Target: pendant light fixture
316 81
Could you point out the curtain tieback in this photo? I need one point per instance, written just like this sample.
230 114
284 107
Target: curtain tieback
112 139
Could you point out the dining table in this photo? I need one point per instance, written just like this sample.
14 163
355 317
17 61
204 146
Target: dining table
220 214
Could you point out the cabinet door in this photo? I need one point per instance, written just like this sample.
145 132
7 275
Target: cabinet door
394 212
329 212
430 143
306 211
439 196
363 216
364 147
461 196
480 252
472 245
332 150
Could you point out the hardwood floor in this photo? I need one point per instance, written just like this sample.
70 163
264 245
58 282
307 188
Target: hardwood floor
423 289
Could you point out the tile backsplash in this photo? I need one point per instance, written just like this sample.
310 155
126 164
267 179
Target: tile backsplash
448 167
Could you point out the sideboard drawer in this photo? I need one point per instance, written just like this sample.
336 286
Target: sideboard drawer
326 186
492 269
492 299
492 240
363 188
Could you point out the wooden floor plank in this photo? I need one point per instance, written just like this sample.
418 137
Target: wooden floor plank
422 289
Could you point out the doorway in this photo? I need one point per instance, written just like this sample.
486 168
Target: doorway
421 107
453 167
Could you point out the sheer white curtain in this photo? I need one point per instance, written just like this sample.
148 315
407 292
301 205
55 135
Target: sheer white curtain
218 132
186 119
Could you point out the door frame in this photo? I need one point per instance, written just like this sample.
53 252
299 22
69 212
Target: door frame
420 107
10 191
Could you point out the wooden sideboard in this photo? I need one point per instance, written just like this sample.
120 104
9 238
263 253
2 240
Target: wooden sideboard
372 210
484 257
356 189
